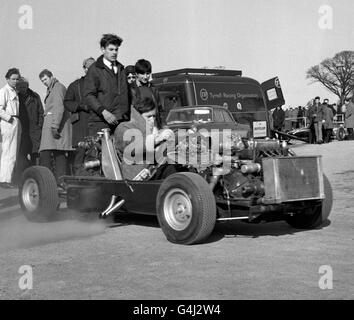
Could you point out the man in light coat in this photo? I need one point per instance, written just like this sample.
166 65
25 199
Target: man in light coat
10 127
349 117
56 132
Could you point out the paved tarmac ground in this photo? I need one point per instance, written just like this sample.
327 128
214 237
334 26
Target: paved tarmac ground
75 259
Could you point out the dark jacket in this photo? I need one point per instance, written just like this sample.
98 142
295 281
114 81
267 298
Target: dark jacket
278 118
105 90
316 113
301 113
327 116
74 103
31 117
333 109
140 91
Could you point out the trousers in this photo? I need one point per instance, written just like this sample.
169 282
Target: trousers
10 135
318 131
54 160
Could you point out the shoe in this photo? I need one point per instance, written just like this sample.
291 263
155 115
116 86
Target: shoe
6 185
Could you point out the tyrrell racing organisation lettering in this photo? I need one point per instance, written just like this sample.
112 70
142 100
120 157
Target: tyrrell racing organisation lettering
191 310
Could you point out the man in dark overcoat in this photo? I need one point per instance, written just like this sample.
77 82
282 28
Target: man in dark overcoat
31 118
75 103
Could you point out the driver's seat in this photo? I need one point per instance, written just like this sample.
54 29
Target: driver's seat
111 164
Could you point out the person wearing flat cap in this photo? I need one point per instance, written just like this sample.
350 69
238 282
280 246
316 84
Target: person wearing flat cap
75 103
130 74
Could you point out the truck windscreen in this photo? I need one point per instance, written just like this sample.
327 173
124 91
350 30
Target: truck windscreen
244 101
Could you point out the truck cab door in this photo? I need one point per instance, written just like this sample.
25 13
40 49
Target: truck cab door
273 93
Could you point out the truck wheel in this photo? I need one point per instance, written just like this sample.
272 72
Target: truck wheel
340 134
186 208
315 216
38 194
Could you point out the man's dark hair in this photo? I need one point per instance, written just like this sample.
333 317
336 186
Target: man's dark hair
12 71
143 66
145 105
110 38
317 98
45 72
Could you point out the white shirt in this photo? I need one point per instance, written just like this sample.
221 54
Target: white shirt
109 65
9 103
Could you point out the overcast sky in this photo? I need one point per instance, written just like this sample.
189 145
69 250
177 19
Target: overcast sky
262 38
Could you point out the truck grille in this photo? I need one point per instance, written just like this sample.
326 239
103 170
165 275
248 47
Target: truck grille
292 179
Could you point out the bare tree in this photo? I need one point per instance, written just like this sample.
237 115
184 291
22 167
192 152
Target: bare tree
336 74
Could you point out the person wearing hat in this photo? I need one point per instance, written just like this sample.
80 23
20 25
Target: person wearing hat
130 74
74 102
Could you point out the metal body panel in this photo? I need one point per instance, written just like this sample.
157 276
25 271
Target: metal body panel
289 179
94 193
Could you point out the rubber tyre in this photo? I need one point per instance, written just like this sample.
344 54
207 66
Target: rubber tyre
196 193
42 207
317 215
340 134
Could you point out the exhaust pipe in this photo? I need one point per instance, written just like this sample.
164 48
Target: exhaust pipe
113 206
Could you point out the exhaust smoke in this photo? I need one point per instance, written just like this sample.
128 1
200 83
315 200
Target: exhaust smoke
17 232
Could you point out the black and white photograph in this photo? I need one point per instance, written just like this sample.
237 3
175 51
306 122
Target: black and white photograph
174 155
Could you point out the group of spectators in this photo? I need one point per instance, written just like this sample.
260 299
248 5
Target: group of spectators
107 96
318 117
49 135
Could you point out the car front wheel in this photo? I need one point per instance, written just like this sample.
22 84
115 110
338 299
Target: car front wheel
186 208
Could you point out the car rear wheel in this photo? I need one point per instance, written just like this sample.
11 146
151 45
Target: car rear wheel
186 208
314 217
38 194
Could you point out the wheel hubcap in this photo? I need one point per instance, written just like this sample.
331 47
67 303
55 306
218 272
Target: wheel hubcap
30 194
178 209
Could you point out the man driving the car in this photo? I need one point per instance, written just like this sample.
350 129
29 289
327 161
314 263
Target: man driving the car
137 140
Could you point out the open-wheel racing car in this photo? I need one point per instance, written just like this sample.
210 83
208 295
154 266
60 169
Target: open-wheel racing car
237 178
339 131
